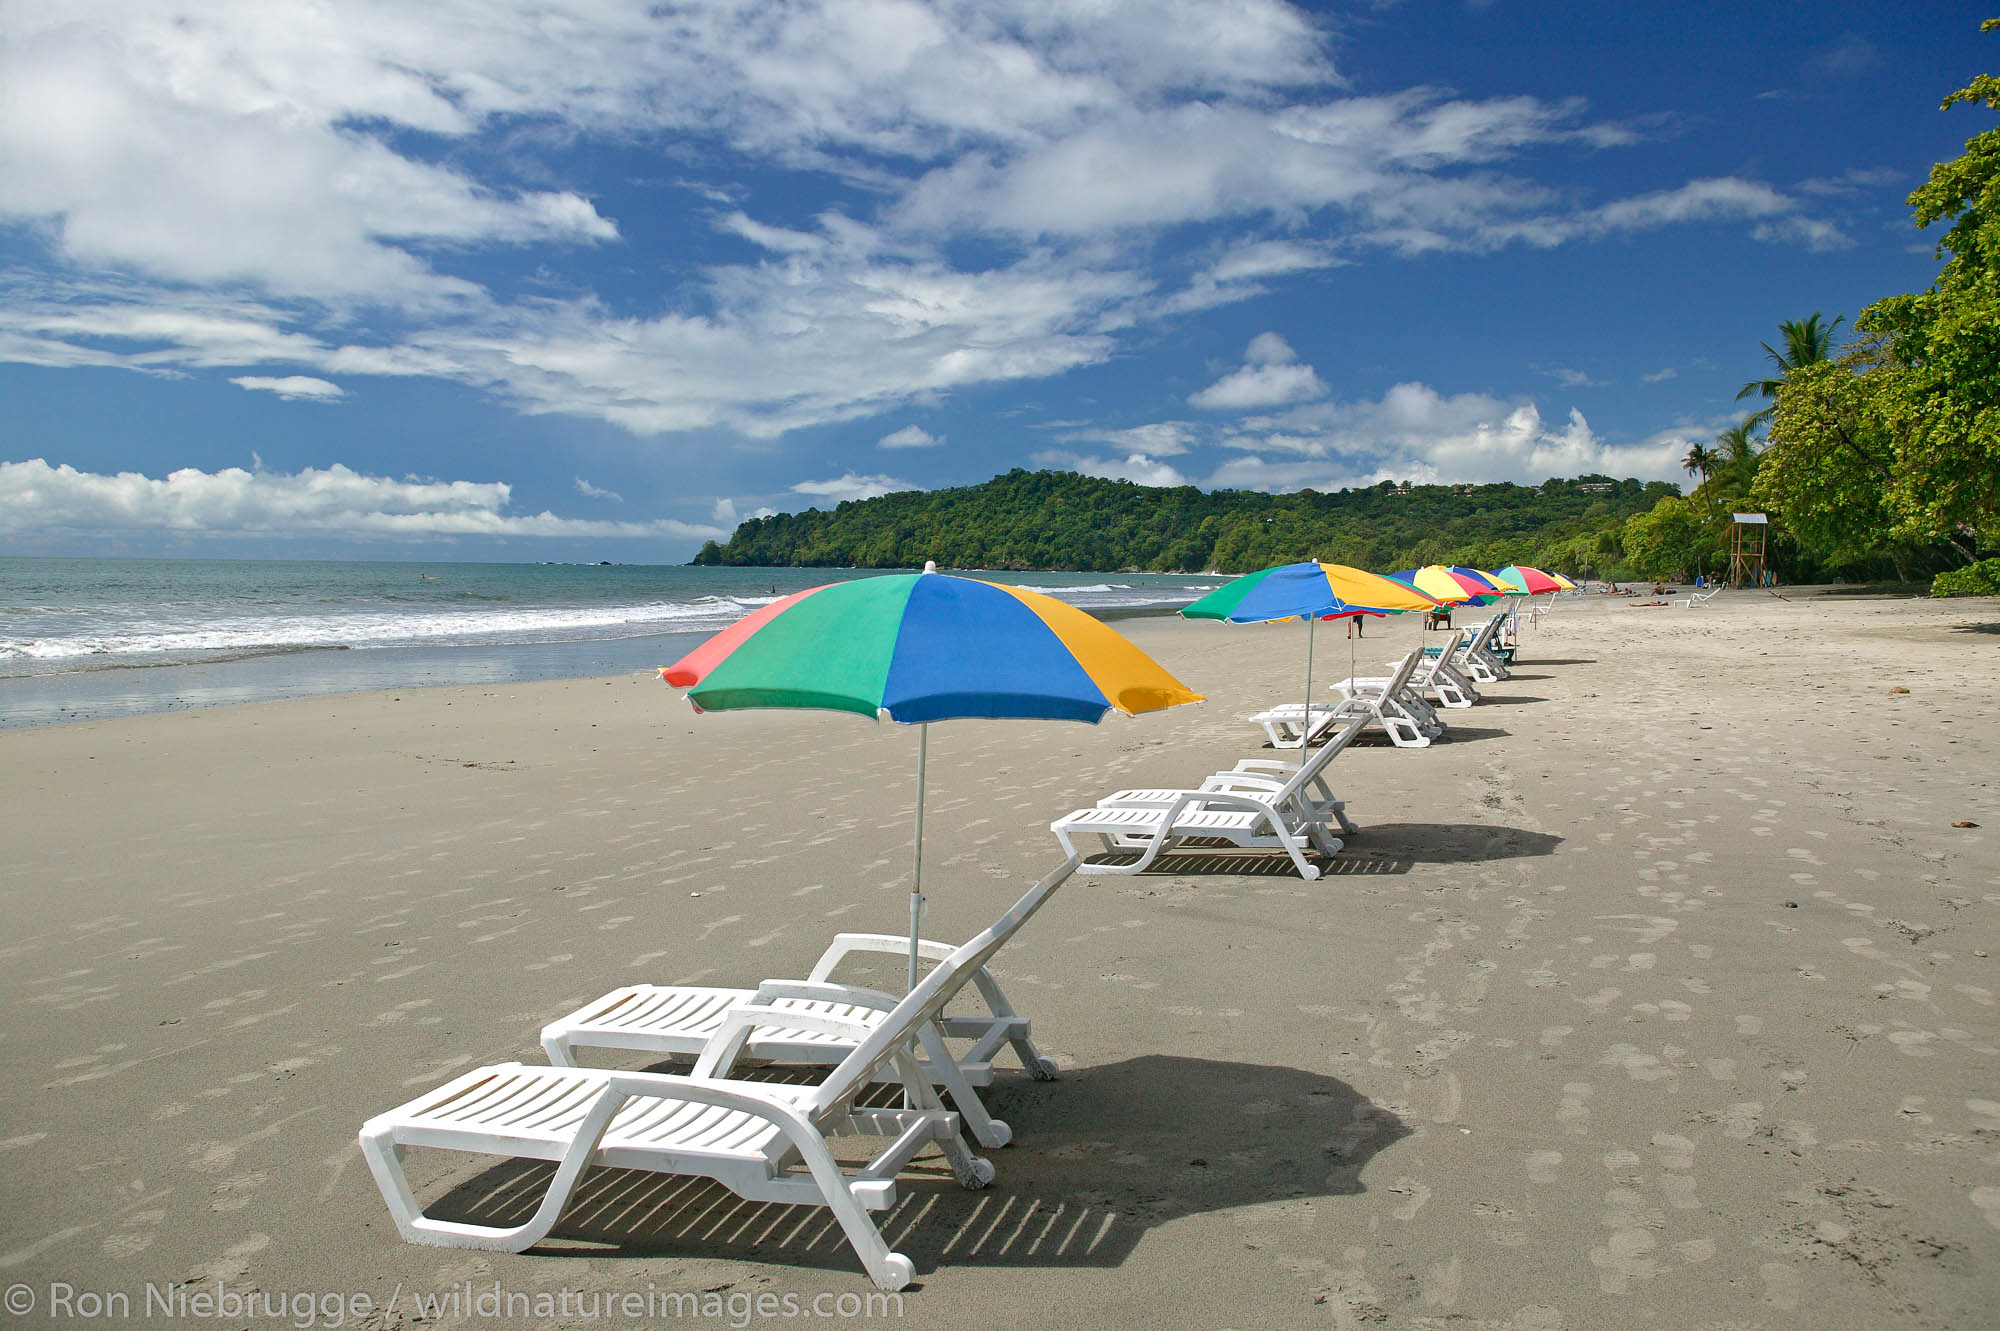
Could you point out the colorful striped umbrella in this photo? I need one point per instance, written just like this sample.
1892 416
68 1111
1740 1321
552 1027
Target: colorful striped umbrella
1492 591
1311 588
1520 580
923 647
1446 584
1311 591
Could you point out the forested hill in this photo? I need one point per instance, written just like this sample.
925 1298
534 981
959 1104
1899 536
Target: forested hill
1059 520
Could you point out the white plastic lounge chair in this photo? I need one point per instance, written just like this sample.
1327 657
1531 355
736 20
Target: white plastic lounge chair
1289 725
764 1141
680 1019
1439 674
1403 715
1479 657
1407 719
1248 807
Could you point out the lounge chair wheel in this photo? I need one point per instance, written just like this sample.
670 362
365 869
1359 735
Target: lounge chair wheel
897 1271
997 1134
1044 1069
982 1170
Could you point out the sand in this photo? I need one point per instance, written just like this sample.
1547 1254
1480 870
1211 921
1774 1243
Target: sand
1660 994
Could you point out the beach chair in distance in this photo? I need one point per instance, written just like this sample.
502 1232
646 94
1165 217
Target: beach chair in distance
1268 777
679 1020
1290 725
1478 658
1248 807
1409 724
764 1141
1439 674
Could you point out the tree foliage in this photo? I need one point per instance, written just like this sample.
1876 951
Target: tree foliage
1670 540
1059 520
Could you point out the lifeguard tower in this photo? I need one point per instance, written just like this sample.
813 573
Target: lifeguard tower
1746 548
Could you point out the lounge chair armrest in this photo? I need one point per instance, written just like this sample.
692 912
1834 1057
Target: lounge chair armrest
844 944
1223 799
813 991
1254 780
1264 765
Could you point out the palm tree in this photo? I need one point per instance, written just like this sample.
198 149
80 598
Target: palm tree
1700 461
1735 451
1807 342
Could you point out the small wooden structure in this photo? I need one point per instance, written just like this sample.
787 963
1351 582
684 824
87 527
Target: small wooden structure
1746 548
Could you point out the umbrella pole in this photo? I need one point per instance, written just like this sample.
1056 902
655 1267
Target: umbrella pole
917 869
1306 726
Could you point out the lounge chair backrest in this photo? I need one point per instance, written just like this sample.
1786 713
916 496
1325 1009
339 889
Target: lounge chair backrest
1316 764
1402 673
1458 639
923 1003
1481 639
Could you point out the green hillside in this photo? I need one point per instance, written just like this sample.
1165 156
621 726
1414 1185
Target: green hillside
1045 520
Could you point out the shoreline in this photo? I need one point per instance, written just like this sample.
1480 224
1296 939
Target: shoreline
102 693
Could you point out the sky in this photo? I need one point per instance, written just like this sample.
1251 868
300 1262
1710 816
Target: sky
589 279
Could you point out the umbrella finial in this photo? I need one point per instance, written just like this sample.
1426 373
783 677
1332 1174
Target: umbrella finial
930 566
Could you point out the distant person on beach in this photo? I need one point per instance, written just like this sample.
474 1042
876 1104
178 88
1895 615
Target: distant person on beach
1354 627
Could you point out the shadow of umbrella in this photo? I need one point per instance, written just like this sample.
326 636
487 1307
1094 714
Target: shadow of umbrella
1106 1154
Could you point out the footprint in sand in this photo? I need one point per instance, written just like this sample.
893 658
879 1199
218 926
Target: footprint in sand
1542 1166
1574 1115
1987 1202
1781 1285
1415 1195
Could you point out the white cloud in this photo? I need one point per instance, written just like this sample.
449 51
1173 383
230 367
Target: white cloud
1135 467
293 387
910 436
1239 274
1270 377
1161 439
589 491
37 500
1661 376
1413 432
1854 180
1569 378
207 144
725 510
1817 236
851 486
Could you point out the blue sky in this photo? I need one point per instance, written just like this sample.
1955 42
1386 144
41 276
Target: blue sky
580 279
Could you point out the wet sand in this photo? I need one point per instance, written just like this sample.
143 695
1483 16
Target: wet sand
1661 993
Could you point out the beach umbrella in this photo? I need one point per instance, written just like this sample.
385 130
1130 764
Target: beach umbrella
1520 580
922 647
1311 591
1310 588
1491 590
1563 582
1447 584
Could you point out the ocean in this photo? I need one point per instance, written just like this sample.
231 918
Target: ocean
84 639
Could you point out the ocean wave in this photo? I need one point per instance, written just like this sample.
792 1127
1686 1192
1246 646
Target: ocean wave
442 627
